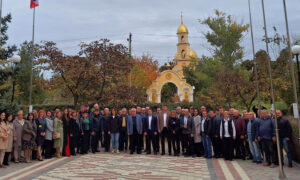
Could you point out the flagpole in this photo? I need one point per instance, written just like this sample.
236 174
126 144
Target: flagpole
254 60
31 63
0 21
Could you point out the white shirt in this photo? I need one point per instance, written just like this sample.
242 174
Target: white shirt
185 118
202 124
165 119
226 133
150 119
21 122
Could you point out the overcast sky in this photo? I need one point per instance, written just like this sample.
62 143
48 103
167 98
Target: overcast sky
153 23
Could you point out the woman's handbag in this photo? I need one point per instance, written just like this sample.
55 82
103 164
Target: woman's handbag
56 135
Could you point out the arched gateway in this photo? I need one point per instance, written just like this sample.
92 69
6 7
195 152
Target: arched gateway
175 75
184 90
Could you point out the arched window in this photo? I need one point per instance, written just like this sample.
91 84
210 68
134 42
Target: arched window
182 38
183 53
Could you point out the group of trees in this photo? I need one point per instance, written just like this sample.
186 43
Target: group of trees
225 79
101 71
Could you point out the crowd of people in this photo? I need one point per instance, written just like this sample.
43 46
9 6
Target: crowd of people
190 132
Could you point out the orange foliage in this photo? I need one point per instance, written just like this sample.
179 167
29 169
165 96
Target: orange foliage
147 71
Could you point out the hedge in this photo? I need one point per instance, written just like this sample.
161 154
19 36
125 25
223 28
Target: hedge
295 147
52 107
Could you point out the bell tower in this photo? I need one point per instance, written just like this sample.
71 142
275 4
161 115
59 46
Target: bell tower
183 45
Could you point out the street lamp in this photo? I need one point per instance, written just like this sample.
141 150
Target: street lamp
296 52
15 60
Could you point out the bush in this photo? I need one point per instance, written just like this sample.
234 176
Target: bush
8 108
52 107
295 143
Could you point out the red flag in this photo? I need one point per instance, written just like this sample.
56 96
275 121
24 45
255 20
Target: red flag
34 3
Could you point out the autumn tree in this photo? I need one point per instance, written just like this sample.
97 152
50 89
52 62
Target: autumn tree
144 71
90 75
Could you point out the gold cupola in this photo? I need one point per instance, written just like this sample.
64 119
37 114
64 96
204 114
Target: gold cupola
193 54
182 28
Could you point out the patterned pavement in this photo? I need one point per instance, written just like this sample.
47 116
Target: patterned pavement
135 167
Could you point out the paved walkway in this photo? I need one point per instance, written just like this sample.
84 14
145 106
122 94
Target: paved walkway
135 167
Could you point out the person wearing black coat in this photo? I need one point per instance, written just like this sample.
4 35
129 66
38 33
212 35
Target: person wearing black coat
285 135
114 129
206 132
75 133
150 131
174 129
67 132
105 129
123 139
96 130
216 142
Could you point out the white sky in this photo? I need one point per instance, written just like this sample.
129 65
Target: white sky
153 23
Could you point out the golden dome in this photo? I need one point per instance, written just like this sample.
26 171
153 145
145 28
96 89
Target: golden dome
182 29
193 54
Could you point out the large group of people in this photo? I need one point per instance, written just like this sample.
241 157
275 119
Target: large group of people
189 132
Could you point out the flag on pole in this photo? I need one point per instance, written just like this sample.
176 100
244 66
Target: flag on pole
34 4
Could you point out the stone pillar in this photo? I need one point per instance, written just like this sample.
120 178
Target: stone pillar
158 98
191 97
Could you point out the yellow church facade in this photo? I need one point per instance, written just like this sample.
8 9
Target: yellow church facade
183 57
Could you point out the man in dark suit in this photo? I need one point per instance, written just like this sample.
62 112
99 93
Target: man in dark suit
96 130
150 131
186 124
163 122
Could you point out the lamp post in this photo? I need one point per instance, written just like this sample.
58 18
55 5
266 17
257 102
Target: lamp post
15 60
296 52
281 171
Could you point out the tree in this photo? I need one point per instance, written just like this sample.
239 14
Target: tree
40 85
225 36
90 75
144 71
5 53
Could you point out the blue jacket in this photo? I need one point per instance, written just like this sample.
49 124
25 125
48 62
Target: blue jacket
253 128
96 123
153 124
265 128
139 124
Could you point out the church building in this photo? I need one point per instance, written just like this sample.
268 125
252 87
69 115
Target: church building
183 57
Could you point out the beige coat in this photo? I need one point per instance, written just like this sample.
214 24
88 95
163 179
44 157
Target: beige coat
4 131
10 137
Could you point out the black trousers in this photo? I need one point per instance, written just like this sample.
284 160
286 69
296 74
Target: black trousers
198 149
175 142
239 148
85 142
106 141
73 145
123 139
135 142
268 148
188 144
151 139
217 146
6 158
95 141
48 148
228 145
164 135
